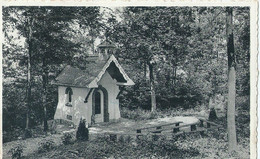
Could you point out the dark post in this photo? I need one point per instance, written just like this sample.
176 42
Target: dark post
193 127
113 137
175 130
201 123
139 133
202 133
208 125
155 137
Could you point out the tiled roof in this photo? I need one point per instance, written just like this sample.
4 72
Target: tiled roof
106 43
76 77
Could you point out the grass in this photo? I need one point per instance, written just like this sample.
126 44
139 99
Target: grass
213 145
141 114
104 148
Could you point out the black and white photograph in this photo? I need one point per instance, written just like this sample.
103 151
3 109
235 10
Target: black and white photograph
166 82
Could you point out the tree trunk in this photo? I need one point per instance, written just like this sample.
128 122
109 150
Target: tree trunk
44 94
232 139
146 74
175 61
29 80
92 41
174 78
153 97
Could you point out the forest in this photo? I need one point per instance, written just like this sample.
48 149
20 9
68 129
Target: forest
178 57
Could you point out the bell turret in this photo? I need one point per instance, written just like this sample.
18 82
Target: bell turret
105 49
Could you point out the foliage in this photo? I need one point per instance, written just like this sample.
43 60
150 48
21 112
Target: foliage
67 138
18 132
188 147
141 114
82 133
121 139
212 115
53 46
27 133
164 147
16 151
211 147
128 139
185 45
138 114
45 146
103 148
184 76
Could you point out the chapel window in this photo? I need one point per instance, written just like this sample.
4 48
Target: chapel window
69 94
97 103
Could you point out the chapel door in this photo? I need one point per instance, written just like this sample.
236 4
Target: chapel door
99 106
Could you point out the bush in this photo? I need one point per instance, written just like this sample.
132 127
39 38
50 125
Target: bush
139 114
212 115
121 139
82 132
12 135
16 151
128 139
27 133
45 146
67 139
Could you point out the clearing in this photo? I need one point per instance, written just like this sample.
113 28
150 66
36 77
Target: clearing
122 126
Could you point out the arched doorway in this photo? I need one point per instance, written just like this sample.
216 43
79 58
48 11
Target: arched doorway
99 105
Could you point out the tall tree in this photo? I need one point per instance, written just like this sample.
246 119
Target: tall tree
140 42
47 40
148 37
29 79
14 79
231 126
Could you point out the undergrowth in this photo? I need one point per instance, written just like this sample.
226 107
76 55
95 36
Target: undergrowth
124 147
141 114
211 145
45 145
16 151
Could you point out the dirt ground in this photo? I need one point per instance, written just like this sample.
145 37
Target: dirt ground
122 126
130 126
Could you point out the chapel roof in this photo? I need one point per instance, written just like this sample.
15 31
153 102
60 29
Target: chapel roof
72 76
106 44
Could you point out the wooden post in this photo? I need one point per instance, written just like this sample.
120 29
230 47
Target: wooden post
156 137
175 130
184 135
158 127
113 137
192 127
138 134
201 123
208 125
202 133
